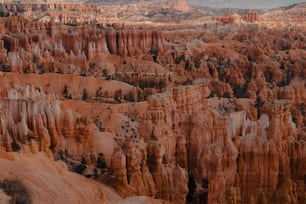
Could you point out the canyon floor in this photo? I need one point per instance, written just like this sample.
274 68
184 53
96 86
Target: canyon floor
151 102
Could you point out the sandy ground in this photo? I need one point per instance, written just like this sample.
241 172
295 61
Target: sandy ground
50 182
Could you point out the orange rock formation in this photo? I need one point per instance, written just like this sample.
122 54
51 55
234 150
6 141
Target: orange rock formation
214 114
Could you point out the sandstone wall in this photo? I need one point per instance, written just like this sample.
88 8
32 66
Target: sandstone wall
31 47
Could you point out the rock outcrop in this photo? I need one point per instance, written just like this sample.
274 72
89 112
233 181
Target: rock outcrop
180 5
251 17
32 121
228 156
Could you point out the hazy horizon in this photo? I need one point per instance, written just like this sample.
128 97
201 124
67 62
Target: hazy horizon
255 4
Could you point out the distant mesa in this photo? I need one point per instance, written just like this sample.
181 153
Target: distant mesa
180 5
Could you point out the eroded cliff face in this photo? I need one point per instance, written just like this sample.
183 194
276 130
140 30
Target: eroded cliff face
54 46
231 157
184 135
158 165
32 121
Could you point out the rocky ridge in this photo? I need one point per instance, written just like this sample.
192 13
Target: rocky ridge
54 46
